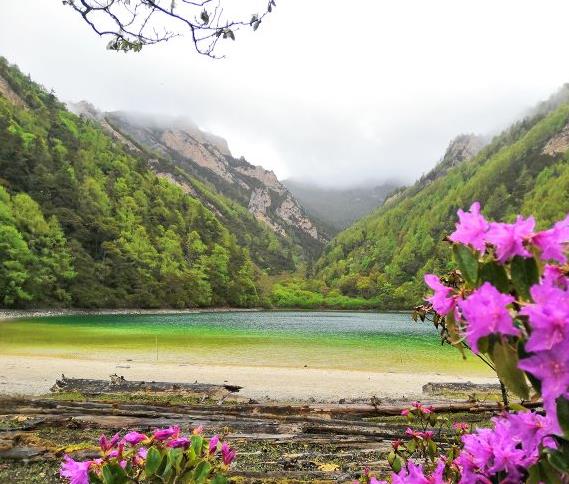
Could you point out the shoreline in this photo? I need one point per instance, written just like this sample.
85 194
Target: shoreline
10 314
34 375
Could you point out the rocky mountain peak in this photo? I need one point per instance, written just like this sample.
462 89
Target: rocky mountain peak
207 156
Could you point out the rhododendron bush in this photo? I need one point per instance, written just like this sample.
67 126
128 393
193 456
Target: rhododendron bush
508 303
165 456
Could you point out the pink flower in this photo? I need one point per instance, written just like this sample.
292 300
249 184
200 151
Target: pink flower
75 472
416 434
552 369
373 480
180 442
164 434
213 444
442 303
548 317
509 448
471 229
553 242
411 474
405 412
460 426
509 238
227 453
107 444
554 276
486 312
198 430
396 444
134 438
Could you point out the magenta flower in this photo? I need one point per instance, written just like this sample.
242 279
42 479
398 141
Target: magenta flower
75 472
134 438
442 303
552 369
554 276
213 444
105 444
486 312
509 448
180 442
509 238
405 412
165 434
471 228
548 317
411 474
374 480
553 242
227 454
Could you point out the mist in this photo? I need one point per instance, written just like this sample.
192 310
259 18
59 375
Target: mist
327 92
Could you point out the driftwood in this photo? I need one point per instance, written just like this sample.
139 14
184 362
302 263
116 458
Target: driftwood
286 441
434 388
118 384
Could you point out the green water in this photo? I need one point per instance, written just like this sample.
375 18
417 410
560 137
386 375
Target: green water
333 340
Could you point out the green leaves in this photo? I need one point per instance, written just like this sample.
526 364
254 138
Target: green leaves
153 460
467 262
524 275
505 358
202 472
563 414
495 274
113 473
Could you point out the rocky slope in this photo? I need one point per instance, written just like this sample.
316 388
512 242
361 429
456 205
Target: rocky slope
207 157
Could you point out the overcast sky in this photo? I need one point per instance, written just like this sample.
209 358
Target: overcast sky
334 92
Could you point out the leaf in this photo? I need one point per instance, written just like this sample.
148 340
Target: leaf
202 471
506 361
467 263
559 461
563 414
219 479
396 466
495 274
153 460
205 17
197 444
114 474
175 457
524 275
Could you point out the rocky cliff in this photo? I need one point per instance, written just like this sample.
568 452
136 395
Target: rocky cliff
207 157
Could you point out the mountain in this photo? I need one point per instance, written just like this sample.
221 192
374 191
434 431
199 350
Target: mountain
184 151
384 256
338 208
86 220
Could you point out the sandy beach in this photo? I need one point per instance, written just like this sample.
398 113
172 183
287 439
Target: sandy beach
34 375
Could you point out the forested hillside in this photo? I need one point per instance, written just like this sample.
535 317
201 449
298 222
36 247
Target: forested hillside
381 259
184 153
84 222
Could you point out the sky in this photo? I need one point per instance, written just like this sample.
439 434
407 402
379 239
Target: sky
336 93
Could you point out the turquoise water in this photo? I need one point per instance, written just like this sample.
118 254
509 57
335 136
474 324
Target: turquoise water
335 340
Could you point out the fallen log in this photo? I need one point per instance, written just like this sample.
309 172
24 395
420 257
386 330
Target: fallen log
118 384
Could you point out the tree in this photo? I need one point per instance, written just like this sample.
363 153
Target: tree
132 24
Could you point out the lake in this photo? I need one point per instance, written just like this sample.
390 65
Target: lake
380 342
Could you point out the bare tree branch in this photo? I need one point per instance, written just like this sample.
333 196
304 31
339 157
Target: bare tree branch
133 24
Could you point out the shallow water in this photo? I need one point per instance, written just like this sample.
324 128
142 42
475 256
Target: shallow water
331 340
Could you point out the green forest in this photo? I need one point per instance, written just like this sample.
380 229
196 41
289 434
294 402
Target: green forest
85 222
383 257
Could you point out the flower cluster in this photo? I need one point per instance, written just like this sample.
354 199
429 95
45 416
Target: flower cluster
165 455
510 305
507 450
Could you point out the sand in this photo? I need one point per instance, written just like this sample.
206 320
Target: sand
34 375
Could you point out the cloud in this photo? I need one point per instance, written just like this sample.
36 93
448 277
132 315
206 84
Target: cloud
328 91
